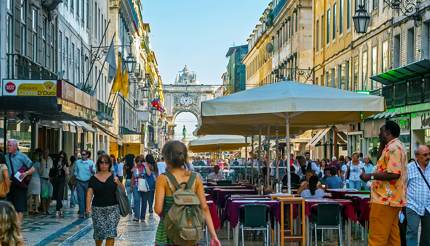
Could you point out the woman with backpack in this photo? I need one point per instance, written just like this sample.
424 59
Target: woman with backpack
167 206
141 182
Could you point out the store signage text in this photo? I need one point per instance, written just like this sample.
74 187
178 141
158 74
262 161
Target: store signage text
44 88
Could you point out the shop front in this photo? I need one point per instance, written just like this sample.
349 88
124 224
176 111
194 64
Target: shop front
420 126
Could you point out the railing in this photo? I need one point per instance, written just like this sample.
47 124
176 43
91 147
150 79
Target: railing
406 93
104 112
21 67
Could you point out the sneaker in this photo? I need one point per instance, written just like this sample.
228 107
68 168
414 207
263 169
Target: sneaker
136 220
151 216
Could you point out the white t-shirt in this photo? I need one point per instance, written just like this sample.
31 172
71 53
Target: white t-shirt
355 171
161 167
120 169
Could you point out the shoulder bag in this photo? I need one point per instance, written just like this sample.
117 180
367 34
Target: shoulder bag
142 183
422 175
123 203
4 185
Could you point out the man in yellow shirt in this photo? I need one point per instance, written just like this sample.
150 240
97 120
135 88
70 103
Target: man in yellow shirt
388 192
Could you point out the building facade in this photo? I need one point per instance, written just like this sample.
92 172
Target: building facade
235 77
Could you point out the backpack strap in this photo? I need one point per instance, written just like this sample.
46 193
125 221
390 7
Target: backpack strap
191 180
172 180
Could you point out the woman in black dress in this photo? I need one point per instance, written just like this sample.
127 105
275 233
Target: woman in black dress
58 175
101 195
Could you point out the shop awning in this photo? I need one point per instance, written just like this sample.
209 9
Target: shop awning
105 130
411 71
69 126
317 138
84 126
383 115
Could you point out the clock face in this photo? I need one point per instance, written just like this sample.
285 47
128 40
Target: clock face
186 100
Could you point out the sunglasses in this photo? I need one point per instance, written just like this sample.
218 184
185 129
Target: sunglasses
104 162
84 154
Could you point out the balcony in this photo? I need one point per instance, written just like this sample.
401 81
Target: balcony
21 67
104 112
406 93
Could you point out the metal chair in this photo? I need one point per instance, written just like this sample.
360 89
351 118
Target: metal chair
255 217
327 217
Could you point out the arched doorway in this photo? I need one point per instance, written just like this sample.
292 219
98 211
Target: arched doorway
185 123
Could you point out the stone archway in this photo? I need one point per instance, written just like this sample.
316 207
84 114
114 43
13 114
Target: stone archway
186 95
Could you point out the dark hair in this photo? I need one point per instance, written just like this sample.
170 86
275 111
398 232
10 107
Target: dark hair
392 127
333 171
2 159
313 182
103 157
175 153
149 158
65 160
72 159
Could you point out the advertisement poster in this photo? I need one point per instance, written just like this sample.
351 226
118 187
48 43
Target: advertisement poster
44 88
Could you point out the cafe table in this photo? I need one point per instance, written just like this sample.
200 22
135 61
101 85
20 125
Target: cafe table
233 213
341 193
214 215
348 213
361 203
220 194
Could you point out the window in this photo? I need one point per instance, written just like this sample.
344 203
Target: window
345 73
364 71
385 57
44 32
96 31
317 35
297 20
23 18
9 4
72 6
78 65
355 76
340 16
83 12
66 3
66 53
77 9
339 80
374 60
375 4
327 76
332 79
334 21
322 31
327 38
396 51
88 14
411 46
425 40
73 63
348 14
34 33
60 48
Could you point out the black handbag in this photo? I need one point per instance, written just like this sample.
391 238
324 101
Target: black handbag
124 204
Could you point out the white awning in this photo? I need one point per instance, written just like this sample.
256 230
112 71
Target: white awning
84 126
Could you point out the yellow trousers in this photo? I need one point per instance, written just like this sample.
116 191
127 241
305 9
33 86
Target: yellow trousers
384 225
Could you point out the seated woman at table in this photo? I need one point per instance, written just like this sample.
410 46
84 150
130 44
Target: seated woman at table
305 183
313 191
332 181
216 174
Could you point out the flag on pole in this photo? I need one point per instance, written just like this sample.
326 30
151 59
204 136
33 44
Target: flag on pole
110 59
117 84
124 83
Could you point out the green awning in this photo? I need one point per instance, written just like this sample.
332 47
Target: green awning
411 71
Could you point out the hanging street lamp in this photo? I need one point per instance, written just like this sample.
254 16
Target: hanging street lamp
361 19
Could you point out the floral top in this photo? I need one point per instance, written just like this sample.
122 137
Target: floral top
392 160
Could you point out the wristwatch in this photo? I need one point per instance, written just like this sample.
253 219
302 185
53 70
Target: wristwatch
372 177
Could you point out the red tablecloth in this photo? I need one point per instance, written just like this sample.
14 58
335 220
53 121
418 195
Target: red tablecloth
233 209
362 207
215 218
220 195
348 207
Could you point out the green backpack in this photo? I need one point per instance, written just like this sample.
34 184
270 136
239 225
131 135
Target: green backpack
184 223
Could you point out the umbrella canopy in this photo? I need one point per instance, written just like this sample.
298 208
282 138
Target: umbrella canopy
287 105
216 143
309 106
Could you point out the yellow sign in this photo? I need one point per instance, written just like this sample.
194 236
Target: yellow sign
44 88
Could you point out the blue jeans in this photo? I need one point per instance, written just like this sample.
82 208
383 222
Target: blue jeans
412 228
81 189
128 190
73 198
151 201
355 184
140 200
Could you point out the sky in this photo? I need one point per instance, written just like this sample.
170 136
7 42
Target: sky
198 33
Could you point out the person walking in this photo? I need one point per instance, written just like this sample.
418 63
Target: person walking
176 154
161 166
128 167
140 187
72 182
46 165
101 202
368 168
418 194
18 165
10 233
355 167
150 160
34 186
4 178
58 179
84 169
388 192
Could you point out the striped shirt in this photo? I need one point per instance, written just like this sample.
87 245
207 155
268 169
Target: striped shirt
418 193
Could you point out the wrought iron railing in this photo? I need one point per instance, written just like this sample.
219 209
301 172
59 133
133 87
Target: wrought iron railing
21 67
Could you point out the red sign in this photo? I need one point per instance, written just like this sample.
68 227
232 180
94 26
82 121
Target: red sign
10 87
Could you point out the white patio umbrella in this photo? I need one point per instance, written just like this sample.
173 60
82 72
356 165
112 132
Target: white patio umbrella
217 143
285 106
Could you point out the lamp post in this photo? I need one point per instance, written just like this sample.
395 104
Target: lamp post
131 63
361 19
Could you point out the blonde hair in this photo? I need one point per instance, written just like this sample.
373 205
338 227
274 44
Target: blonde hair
10 233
